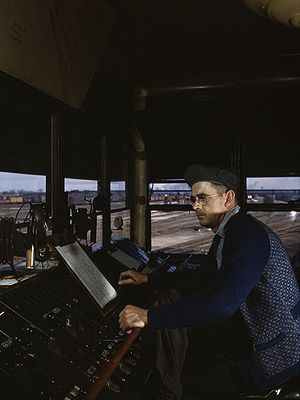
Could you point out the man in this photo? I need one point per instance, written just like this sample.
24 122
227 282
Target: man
244 310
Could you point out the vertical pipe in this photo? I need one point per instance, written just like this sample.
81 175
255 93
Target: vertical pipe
105 195
139 216
238 166
243 176
56 178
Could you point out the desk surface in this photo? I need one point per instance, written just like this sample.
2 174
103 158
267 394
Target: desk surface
22 273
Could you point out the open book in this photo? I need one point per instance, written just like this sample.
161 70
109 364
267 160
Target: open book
88 274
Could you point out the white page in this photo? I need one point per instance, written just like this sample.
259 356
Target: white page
87 272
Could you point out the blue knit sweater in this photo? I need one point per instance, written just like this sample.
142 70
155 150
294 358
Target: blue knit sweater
255 279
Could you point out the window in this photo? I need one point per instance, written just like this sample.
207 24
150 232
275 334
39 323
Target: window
175 229
81 193
285 224
273 190
275 201
169 193
179 232
17 191
174 226
118 194
120 218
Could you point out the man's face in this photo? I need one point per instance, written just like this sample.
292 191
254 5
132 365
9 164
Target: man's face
210 204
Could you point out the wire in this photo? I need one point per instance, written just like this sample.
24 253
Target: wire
20 208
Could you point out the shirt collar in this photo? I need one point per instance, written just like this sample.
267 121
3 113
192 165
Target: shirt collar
227 217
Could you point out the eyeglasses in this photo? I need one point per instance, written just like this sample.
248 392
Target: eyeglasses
202 199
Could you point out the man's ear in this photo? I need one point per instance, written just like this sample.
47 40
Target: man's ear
230 198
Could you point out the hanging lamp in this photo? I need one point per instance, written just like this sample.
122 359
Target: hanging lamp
286 12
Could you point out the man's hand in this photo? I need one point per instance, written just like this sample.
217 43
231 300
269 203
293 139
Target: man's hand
132 277
133 317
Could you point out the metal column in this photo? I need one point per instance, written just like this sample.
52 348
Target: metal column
56 179
105 194
139 214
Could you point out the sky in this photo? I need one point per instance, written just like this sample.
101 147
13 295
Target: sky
11 181
37 183
274 183
15 182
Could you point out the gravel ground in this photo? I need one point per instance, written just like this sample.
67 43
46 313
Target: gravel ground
180 232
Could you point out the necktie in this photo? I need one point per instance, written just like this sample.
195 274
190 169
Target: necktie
212 253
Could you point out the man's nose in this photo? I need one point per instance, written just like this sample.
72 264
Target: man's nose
196 205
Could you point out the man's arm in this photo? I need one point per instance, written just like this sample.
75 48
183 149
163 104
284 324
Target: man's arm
245 256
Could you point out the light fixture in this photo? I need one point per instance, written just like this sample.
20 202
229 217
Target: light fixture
286 12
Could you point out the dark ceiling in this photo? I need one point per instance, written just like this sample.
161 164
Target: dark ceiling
177 39
213 72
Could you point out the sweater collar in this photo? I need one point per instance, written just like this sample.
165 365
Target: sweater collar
231 213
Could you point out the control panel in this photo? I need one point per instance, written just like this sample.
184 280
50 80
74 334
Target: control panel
56 345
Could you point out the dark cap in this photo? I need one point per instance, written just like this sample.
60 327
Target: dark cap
203 173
